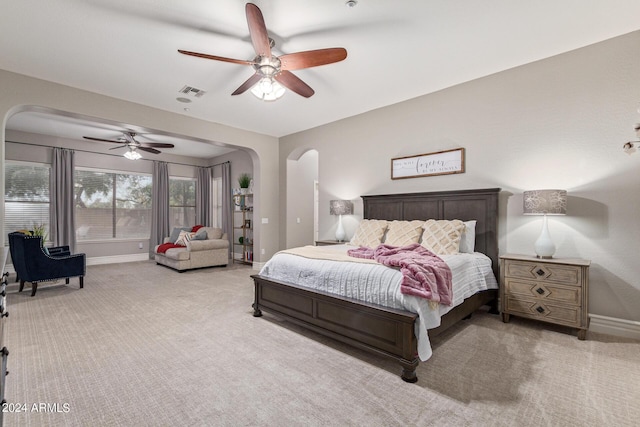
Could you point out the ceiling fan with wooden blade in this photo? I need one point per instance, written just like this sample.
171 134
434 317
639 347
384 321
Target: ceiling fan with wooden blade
270 68
130 142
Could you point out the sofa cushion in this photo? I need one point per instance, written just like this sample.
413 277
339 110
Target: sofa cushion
212 232
206 245
179 254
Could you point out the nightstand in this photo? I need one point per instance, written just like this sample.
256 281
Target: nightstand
328 242
551 290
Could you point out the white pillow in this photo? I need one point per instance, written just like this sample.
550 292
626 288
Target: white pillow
468 238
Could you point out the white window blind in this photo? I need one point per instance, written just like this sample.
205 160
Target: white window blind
26 196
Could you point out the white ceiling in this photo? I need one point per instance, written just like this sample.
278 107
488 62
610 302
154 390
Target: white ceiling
397 50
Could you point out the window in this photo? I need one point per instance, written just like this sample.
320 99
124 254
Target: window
112 205
26 196
182 202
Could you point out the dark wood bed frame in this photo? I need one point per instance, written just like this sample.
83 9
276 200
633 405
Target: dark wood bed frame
377 329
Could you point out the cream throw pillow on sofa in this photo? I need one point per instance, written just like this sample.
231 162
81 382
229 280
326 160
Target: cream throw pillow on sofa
369 233
403 233
442 237
184 237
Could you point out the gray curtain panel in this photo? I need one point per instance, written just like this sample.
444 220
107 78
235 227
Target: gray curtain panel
159 205
203 196
227 220
62 224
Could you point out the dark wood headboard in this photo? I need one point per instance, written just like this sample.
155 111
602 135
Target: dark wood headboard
465 205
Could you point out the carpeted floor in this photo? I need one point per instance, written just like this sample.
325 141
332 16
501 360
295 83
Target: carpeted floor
142 345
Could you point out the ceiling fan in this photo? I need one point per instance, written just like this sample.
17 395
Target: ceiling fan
272 71
133 145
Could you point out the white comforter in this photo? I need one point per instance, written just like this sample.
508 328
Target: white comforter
379 284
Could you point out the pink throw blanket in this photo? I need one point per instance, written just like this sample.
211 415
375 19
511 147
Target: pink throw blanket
424 273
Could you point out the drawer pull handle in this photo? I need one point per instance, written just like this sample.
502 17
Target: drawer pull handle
540 272
540 291
4 351
540 310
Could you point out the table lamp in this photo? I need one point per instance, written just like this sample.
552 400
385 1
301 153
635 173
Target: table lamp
545 202
340 207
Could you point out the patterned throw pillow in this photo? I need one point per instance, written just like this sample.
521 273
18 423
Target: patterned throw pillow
175 233
369 233
403 233
184 237
442 237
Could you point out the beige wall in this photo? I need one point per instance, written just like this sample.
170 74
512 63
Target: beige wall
19 92
556 123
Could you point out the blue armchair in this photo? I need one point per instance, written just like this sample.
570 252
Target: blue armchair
33 264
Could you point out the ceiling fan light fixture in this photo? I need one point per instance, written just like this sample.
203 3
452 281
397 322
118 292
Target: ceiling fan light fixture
132 154
268 89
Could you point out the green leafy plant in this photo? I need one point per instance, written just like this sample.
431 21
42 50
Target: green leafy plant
244 180
39 230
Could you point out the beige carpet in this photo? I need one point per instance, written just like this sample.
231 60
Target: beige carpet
142 345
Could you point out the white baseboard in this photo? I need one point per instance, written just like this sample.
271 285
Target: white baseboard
614 326
116 259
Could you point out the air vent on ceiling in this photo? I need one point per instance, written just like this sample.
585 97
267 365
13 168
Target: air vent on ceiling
192 91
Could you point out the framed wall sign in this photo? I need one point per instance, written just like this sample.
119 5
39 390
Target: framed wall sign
439 163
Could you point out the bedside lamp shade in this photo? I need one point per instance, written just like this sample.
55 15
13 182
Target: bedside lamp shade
545 202
340 207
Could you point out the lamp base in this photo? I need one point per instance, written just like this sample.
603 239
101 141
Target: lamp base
340 233
544 246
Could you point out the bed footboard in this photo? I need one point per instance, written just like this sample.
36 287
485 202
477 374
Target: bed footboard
380 330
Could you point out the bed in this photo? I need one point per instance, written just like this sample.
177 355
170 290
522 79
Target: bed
388 332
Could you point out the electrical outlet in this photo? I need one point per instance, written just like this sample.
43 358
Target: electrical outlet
140 245
262 251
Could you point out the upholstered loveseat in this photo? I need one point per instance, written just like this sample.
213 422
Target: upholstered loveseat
208 247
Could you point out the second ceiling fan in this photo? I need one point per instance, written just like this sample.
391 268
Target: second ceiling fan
132 144
270 68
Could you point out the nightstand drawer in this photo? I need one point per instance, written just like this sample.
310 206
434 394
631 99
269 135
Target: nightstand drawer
543 291
545 310
557 273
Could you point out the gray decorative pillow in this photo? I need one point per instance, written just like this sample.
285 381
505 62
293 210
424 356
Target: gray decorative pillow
201 234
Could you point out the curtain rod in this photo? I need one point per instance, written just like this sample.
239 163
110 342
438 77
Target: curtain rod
114 155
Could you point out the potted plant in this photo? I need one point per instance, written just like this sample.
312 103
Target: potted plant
39 230
244 180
